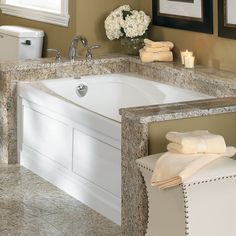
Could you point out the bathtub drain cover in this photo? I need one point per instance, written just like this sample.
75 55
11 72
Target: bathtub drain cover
81 90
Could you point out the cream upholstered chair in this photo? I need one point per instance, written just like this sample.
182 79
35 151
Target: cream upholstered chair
204 205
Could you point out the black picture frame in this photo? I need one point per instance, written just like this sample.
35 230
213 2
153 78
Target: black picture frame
204 25
224 29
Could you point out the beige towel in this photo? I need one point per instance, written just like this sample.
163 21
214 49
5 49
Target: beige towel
158 56
200 141
159 49
160 44
172 169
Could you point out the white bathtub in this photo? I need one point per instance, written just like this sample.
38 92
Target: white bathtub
108 93
74 142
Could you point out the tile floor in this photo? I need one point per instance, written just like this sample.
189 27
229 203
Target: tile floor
30 206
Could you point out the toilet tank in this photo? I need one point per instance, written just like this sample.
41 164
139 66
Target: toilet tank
20 43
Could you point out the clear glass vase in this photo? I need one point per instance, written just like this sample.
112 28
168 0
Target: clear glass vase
131 46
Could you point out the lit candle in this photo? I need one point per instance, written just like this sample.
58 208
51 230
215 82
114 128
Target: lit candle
189 61
185 54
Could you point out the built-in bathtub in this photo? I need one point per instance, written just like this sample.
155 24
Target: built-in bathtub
73 139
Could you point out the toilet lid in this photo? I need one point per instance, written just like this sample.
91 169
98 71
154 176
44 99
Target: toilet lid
21 32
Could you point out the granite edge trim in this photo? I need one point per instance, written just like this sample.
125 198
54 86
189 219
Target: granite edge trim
47 63
200 72
213 76
157 113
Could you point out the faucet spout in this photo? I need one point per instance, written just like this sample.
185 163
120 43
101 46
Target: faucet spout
73 46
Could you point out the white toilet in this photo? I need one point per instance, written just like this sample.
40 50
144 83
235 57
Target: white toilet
20 43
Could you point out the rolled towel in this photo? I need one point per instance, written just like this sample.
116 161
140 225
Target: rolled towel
158 56
160 44
161 49
172 169
200 141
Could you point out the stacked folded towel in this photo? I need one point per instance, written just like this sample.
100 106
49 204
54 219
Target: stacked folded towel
156 51
187 153
200 141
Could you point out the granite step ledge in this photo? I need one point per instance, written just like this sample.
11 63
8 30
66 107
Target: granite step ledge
180 110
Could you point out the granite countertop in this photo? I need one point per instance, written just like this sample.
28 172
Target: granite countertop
181 110
199 72
209 73
222 83
43 63
202 79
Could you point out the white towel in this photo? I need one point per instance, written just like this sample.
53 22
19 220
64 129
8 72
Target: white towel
157 49
157 56
172 169
200 141
159 44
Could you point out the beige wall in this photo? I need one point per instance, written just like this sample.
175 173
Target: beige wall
90 21
86 18
215 124
209 49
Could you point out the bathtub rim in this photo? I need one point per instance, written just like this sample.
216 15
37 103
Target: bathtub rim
72 111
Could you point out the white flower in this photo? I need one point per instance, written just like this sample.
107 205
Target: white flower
119 11
136 24
114 22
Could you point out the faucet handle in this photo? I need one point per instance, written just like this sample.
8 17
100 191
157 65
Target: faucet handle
58 57
95 46
89 54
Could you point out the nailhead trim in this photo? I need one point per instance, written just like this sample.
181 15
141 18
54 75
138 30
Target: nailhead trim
185 196
144 167
210 180
148 202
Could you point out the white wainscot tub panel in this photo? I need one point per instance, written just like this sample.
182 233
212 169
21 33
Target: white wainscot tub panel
98 162
81 161
48 136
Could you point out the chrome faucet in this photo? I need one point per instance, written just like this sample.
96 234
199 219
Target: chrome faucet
89 48
89 54
73 46
58 58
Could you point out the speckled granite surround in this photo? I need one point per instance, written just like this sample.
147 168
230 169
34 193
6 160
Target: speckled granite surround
134 121
11 72
205 80
135 127
134 210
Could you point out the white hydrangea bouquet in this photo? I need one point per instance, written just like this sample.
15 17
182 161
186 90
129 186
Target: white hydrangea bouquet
129 25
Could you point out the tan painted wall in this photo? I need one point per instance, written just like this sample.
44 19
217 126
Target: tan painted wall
87 18
209 49
90 21
215 124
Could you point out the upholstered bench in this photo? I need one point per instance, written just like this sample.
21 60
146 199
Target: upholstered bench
204 205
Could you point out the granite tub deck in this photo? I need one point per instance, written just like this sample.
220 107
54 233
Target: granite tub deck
43 69
135 122
212 82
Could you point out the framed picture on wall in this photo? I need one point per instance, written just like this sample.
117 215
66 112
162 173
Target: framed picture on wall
227 18
194 15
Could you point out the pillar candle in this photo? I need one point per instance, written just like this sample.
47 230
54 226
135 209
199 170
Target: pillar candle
189 61
185 54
